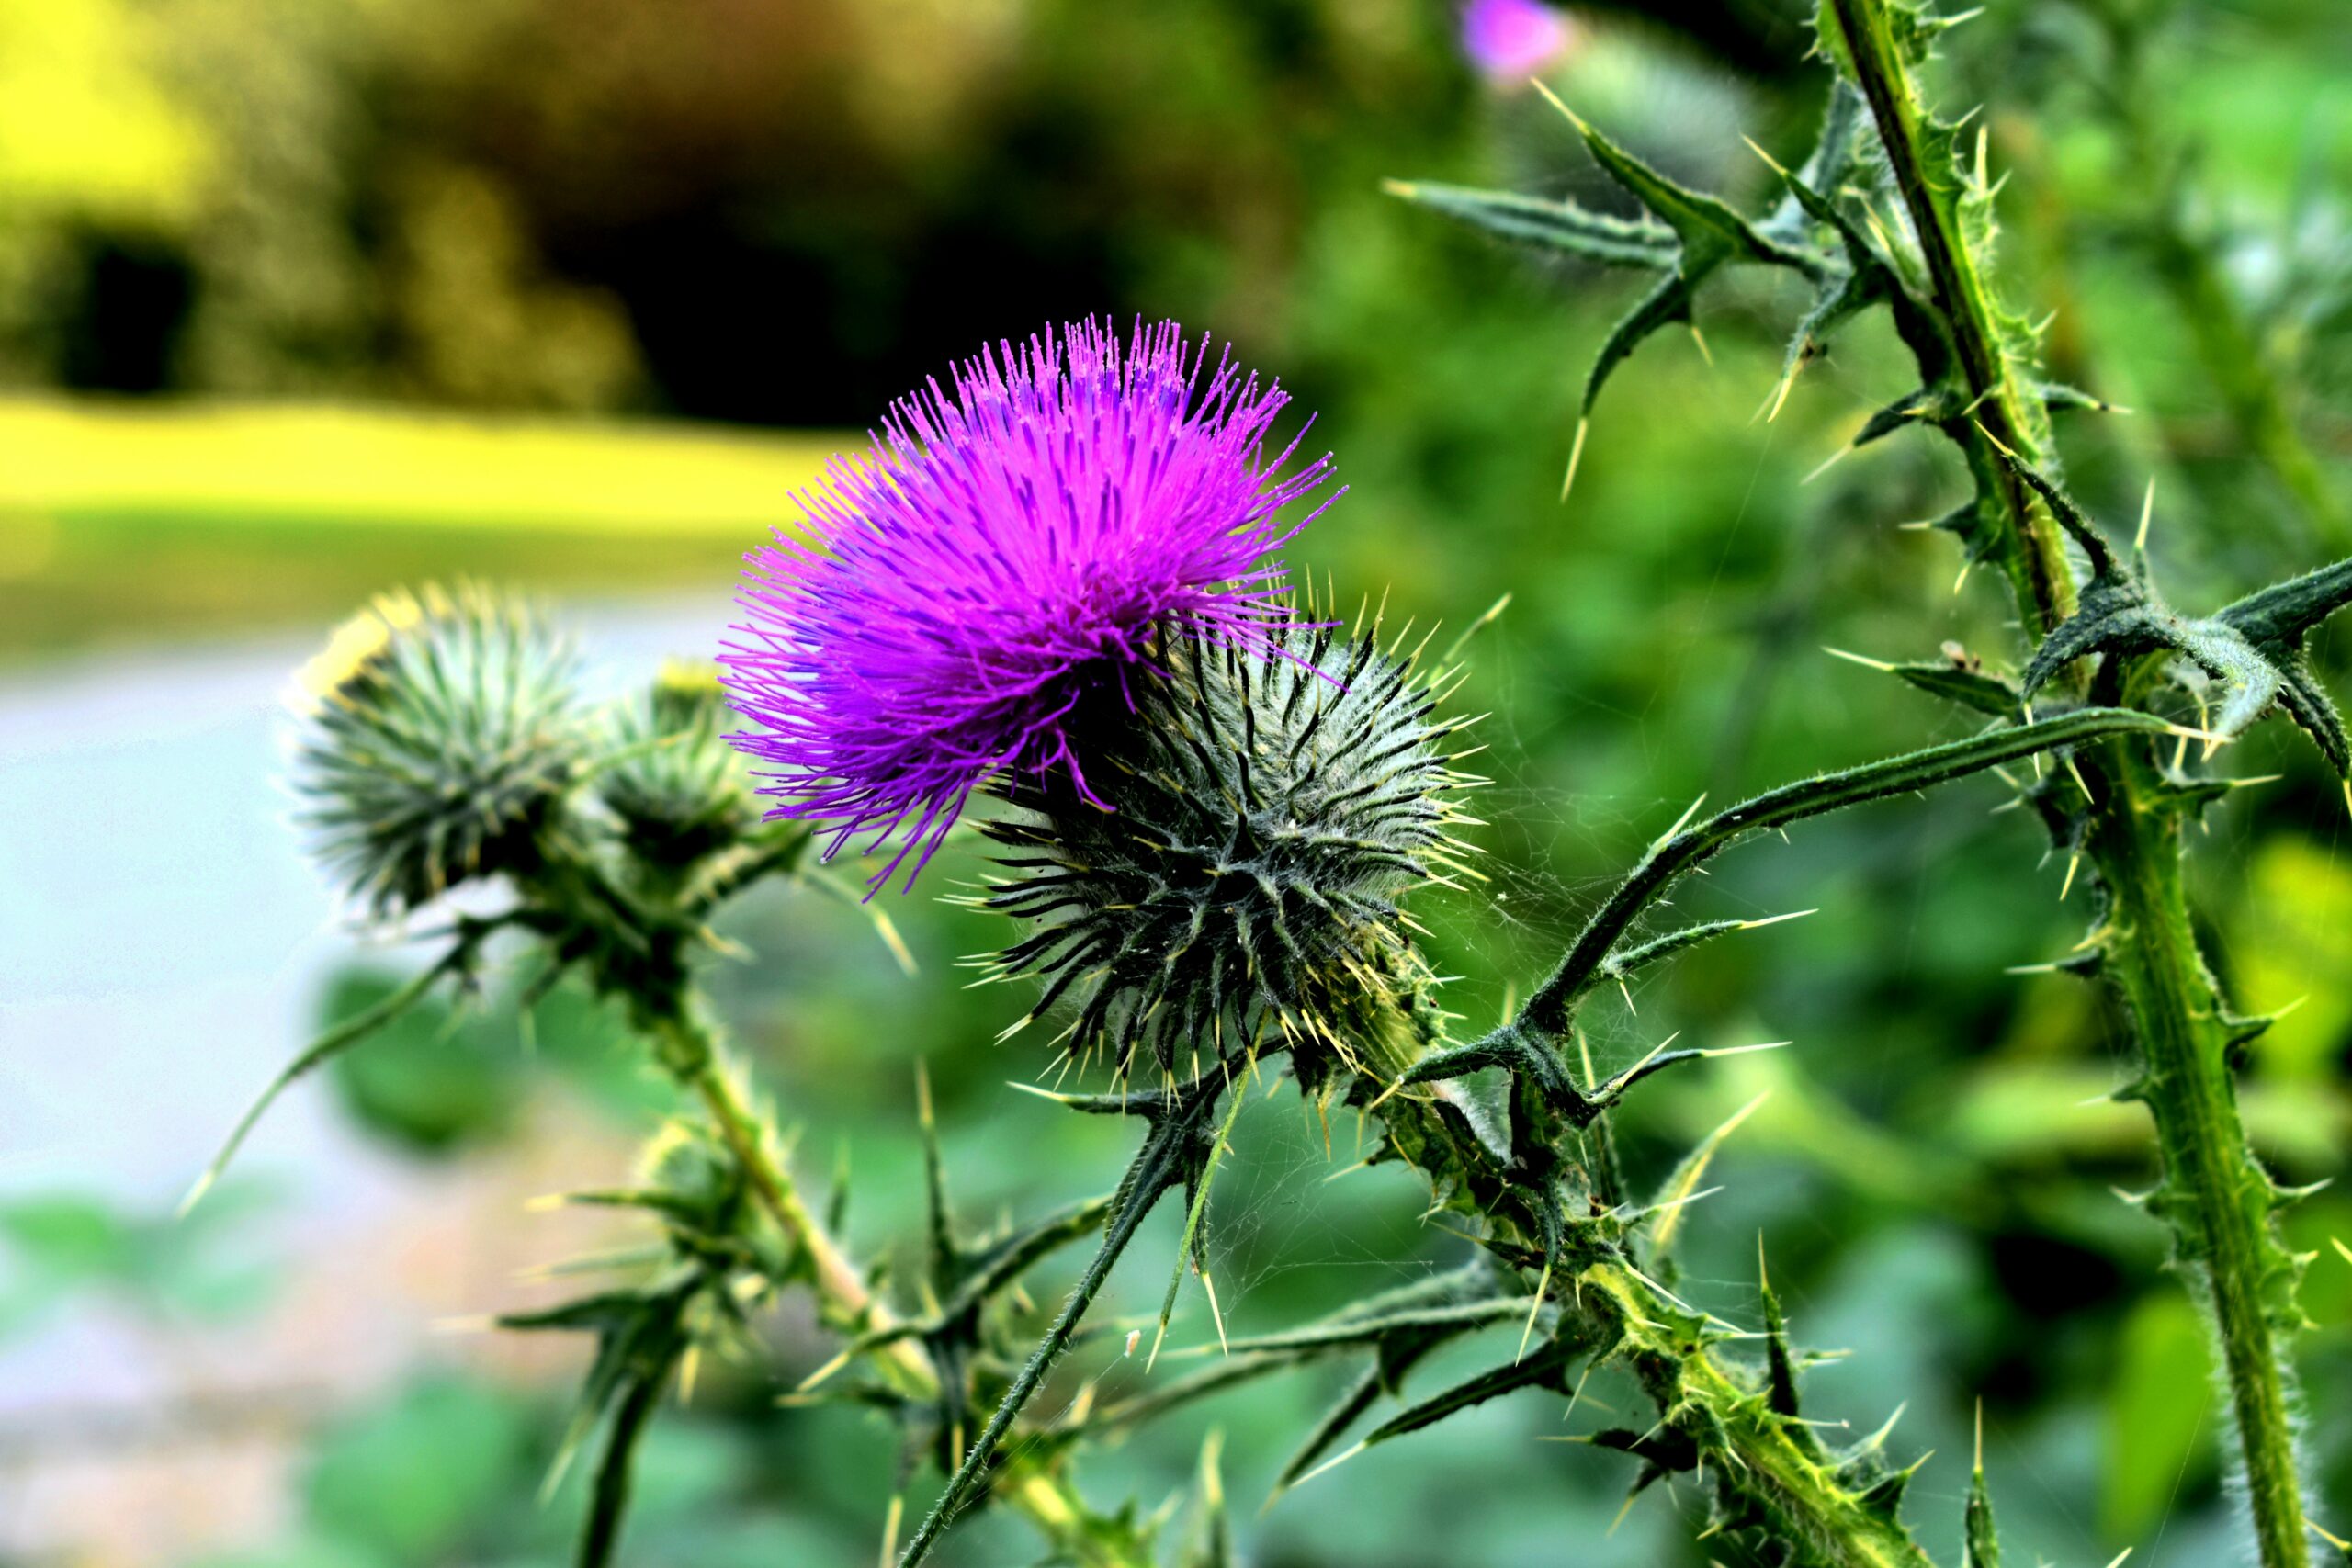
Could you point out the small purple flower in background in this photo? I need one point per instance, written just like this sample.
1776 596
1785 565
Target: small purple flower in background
1003 549
1509 41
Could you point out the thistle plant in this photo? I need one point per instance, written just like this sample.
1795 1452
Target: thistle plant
1053 596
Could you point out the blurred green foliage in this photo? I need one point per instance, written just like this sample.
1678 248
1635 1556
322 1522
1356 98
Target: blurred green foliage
67 1249
792 211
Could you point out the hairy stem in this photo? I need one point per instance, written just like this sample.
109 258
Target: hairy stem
1549 1007
1039 1494
2215 1198
1781 1473
2030 550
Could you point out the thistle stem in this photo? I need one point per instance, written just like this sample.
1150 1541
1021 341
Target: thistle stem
840 1286
2216 1199
1780 1475
1159 1165
2030 552
1038 1492
1779 1479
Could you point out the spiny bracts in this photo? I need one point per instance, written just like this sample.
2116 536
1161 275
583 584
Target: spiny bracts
1265 817
678 791
443 727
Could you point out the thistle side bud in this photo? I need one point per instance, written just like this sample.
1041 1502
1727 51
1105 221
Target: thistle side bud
677 789
697 1177
443 729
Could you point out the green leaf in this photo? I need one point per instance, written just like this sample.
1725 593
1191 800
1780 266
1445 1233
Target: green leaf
1979 1543
1708 235
409 1481
1560 225
2276 621
1779 1367
2287 611
1544 1366
1969 688
1359 1397
2308 704
1866 279
1670 1207
1213 1548
609 1488
2158 1419
430 1083
1836 157
1682 850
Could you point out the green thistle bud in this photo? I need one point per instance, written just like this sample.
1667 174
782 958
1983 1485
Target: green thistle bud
443 730
1266 815
679 791
694 1173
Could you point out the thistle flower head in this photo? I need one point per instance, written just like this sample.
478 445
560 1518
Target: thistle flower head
1032 535
1509 41
1268 817
675 786
443 726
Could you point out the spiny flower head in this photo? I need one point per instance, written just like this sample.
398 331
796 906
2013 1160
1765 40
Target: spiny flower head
443 726
675 786
1030 536
1268 817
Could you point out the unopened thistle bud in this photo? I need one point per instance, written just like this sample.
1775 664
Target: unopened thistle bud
443 729
1266 813
693 1177
677 789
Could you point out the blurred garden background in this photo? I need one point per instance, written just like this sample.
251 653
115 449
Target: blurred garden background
300 301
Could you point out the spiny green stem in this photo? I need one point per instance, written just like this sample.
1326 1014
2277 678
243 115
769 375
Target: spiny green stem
2215 1196
1038 1492
2031 554
2223 1233
1779 1479
1156 1168
1778 1473
1550 1005
840 1286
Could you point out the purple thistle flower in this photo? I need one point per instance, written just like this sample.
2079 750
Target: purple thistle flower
1509 41
1003 550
